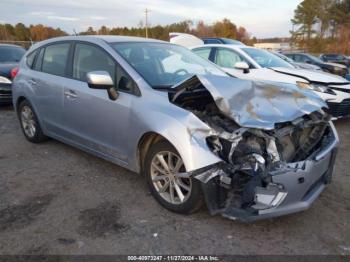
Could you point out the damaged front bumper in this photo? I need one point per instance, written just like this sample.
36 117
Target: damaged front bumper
292 187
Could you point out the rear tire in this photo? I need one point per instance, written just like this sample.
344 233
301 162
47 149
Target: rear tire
29 123
178 194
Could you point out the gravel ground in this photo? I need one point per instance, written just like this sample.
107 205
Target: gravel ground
55 199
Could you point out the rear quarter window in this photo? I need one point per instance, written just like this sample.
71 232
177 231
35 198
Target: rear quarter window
30 59
39 60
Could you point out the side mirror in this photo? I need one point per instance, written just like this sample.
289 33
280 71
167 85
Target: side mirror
308 61
102 80
242 66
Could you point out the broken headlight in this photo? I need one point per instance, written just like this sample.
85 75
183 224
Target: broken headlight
243 153
316 87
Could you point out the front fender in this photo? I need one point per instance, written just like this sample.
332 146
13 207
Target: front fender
184 131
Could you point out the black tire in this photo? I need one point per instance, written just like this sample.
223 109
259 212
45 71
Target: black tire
38 136
195 199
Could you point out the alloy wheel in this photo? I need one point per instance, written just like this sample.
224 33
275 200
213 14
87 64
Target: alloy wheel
28 121
169 179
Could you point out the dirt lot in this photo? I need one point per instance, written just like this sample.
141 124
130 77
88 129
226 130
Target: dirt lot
55 199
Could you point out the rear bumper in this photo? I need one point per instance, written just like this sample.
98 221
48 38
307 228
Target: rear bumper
5 93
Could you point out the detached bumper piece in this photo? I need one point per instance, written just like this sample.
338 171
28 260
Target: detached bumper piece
339 109
5 93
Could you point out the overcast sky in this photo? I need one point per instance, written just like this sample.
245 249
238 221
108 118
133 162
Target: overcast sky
262 18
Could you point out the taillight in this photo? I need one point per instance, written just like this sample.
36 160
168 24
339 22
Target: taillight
14 72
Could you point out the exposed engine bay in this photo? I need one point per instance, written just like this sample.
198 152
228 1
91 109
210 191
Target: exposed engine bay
243 185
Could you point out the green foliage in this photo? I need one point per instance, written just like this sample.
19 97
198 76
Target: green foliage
20 32
224 28
319 25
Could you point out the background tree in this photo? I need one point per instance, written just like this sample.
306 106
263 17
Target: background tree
305 17
322 26
22 33
225 28
39 32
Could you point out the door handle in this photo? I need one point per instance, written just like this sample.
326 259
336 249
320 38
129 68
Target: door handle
70 94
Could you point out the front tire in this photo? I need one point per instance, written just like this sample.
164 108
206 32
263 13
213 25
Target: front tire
163 169
29 123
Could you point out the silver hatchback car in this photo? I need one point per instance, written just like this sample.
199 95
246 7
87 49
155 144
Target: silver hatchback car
249 150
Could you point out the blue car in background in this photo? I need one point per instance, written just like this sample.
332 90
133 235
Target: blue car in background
221 40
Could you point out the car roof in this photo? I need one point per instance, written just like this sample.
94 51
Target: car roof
225 46
295 53
99 38
211 37
10 45
332 54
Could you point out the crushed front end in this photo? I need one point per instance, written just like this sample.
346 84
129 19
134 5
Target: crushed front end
269 168
269 173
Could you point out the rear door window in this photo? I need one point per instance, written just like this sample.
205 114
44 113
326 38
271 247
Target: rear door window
55 59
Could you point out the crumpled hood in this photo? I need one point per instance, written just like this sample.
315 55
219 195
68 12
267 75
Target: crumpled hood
311 76
256 104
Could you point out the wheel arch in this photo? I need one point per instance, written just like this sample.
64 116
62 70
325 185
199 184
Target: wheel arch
144 144
19 100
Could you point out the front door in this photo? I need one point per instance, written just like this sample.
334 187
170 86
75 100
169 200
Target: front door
92 120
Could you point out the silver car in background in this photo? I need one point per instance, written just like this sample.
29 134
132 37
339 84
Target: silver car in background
249 150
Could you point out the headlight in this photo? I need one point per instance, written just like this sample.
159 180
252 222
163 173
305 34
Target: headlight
316 87
5 80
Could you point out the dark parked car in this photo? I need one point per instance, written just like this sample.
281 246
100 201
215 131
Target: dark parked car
336 58
295 64
10 55
333 68
221 40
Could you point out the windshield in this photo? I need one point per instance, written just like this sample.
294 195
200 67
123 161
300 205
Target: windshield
9 54
285 58
334 56
315 59
265 59
164 65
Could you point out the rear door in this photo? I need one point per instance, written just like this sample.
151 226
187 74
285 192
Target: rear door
92 120
46 80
